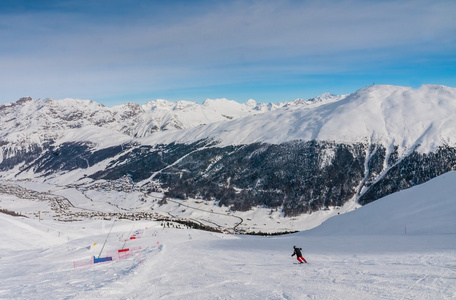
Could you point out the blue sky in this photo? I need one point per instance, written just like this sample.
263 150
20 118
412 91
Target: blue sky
116 51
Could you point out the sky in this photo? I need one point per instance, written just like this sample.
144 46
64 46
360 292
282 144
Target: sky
118 51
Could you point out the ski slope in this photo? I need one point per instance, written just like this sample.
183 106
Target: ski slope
364 254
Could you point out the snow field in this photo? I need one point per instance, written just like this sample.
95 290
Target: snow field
363 254
190 264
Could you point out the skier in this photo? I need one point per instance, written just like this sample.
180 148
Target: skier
297 252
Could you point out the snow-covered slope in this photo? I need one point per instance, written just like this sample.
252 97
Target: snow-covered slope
161 115
51 260
29 122
429 208
388 115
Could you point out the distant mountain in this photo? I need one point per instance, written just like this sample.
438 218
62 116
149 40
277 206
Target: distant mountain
299 156
29 124
47 119
387 115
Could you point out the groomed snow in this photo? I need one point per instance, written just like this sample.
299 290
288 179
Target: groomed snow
365 254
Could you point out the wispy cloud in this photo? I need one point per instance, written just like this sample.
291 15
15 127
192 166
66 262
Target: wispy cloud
67 49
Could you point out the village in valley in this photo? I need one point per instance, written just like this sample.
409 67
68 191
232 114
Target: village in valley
62 209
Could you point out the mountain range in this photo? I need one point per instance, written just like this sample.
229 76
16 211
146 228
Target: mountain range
300 156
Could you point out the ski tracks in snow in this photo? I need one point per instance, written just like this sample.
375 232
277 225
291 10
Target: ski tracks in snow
191 264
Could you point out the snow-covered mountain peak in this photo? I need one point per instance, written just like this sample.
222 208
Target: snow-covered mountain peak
251 103
322 99
127 111
218 101
389 115
229 107
159 104
327 97
185 105
404 116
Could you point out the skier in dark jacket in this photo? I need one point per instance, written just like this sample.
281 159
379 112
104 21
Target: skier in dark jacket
297 252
